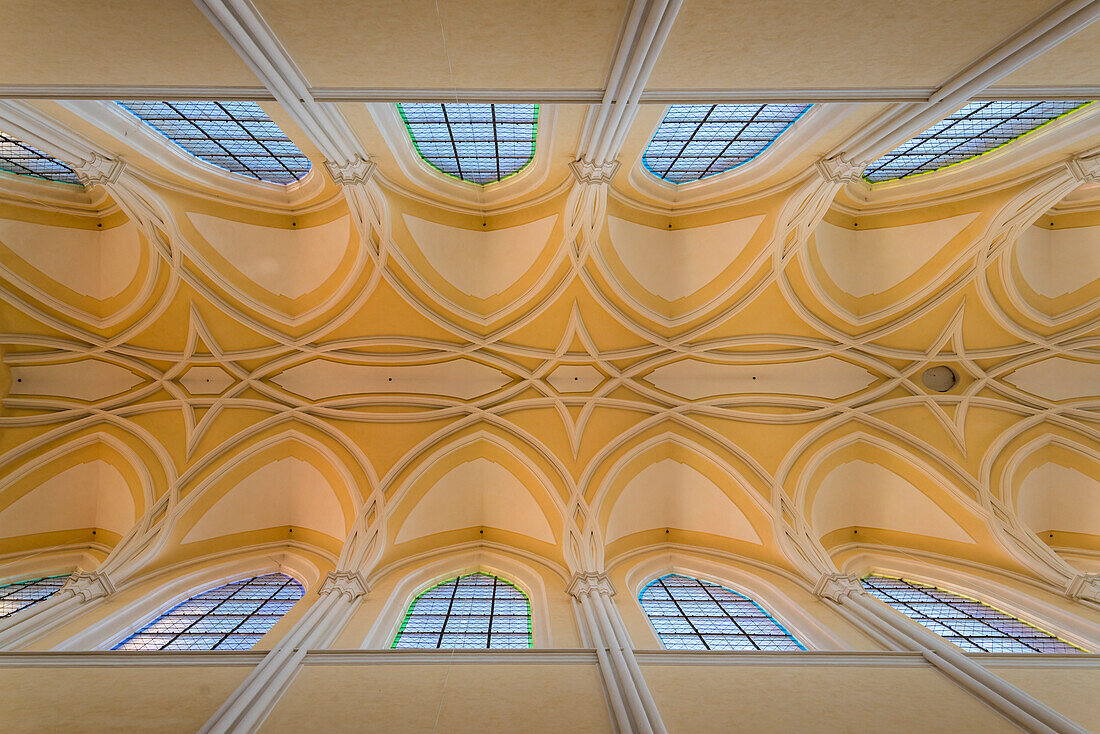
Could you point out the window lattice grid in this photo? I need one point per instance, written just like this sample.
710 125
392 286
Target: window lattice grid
696 141
977 128
26 160
236 136
689 614
476 611
230 617
970 624
480 143
22 594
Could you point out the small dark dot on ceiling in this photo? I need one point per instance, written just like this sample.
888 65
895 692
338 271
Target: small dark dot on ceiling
390 379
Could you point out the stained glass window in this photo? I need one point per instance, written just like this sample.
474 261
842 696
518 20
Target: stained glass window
26 160
22 594
696 141
474 611
236 136
230 617
977 128
480 143
689 614
970 624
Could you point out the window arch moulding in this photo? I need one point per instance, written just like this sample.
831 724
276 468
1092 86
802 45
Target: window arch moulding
689 614
423 174
474 611
230 616
22 159
977 129
968 623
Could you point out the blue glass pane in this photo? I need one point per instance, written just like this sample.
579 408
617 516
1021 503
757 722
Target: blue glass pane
23 159
480 143
230 617
22 594
689 614
236 136
696 141
977 128
474 611
970 624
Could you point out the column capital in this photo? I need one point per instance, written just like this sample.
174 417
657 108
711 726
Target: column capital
100 170
357 170
839 170
89 585
1085 586
1085 170
837 586
593 173
590 583
345 583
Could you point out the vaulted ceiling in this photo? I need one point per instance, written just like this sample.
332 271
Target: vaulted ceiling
581 361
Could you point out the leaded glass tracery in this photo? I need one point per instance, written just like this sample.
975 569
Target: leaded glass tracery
480 143
236 136
968 623
473 611
26 160
977 128
230 617
689 614
22 594
696 141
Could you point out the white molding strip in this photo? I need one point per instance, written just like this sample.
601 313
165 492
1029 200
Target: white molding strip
783 658
131 659
560 656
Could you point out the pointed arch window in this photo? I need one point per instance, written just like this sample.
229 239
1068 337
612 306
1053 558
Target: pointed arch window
968 623
977 128
236 136
472 611
22 594
696 141
479 143
230 617
689 614
25 160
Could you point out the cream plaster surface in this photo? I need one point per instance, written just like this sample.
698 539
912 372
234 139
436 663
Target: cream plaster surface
477 493
92 494
675 263
670 493
1058 378
827 377
322 378
865 494
85 379
95 263
1055 262
1056 497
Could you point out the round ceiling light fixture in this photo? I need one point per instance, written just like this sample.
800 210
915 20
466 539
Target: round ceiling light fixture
940 379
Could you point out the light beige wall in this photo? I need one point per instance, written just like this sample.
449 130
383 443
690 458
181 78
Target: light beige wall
74 700
459 698
1074 692
759 698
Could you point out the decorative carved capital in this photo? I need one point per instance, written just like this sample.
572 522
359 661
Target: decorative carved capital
836 586
90 585
1085 170
358 170
590 583
839 170
1084 586
345 583
594 173
100 170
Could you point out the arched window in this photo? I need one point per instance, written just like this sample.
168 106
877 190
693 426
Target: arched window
230 617
690 614
26 160
977 128
479 143
474 611
970 624
236 136
696 141
22 594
